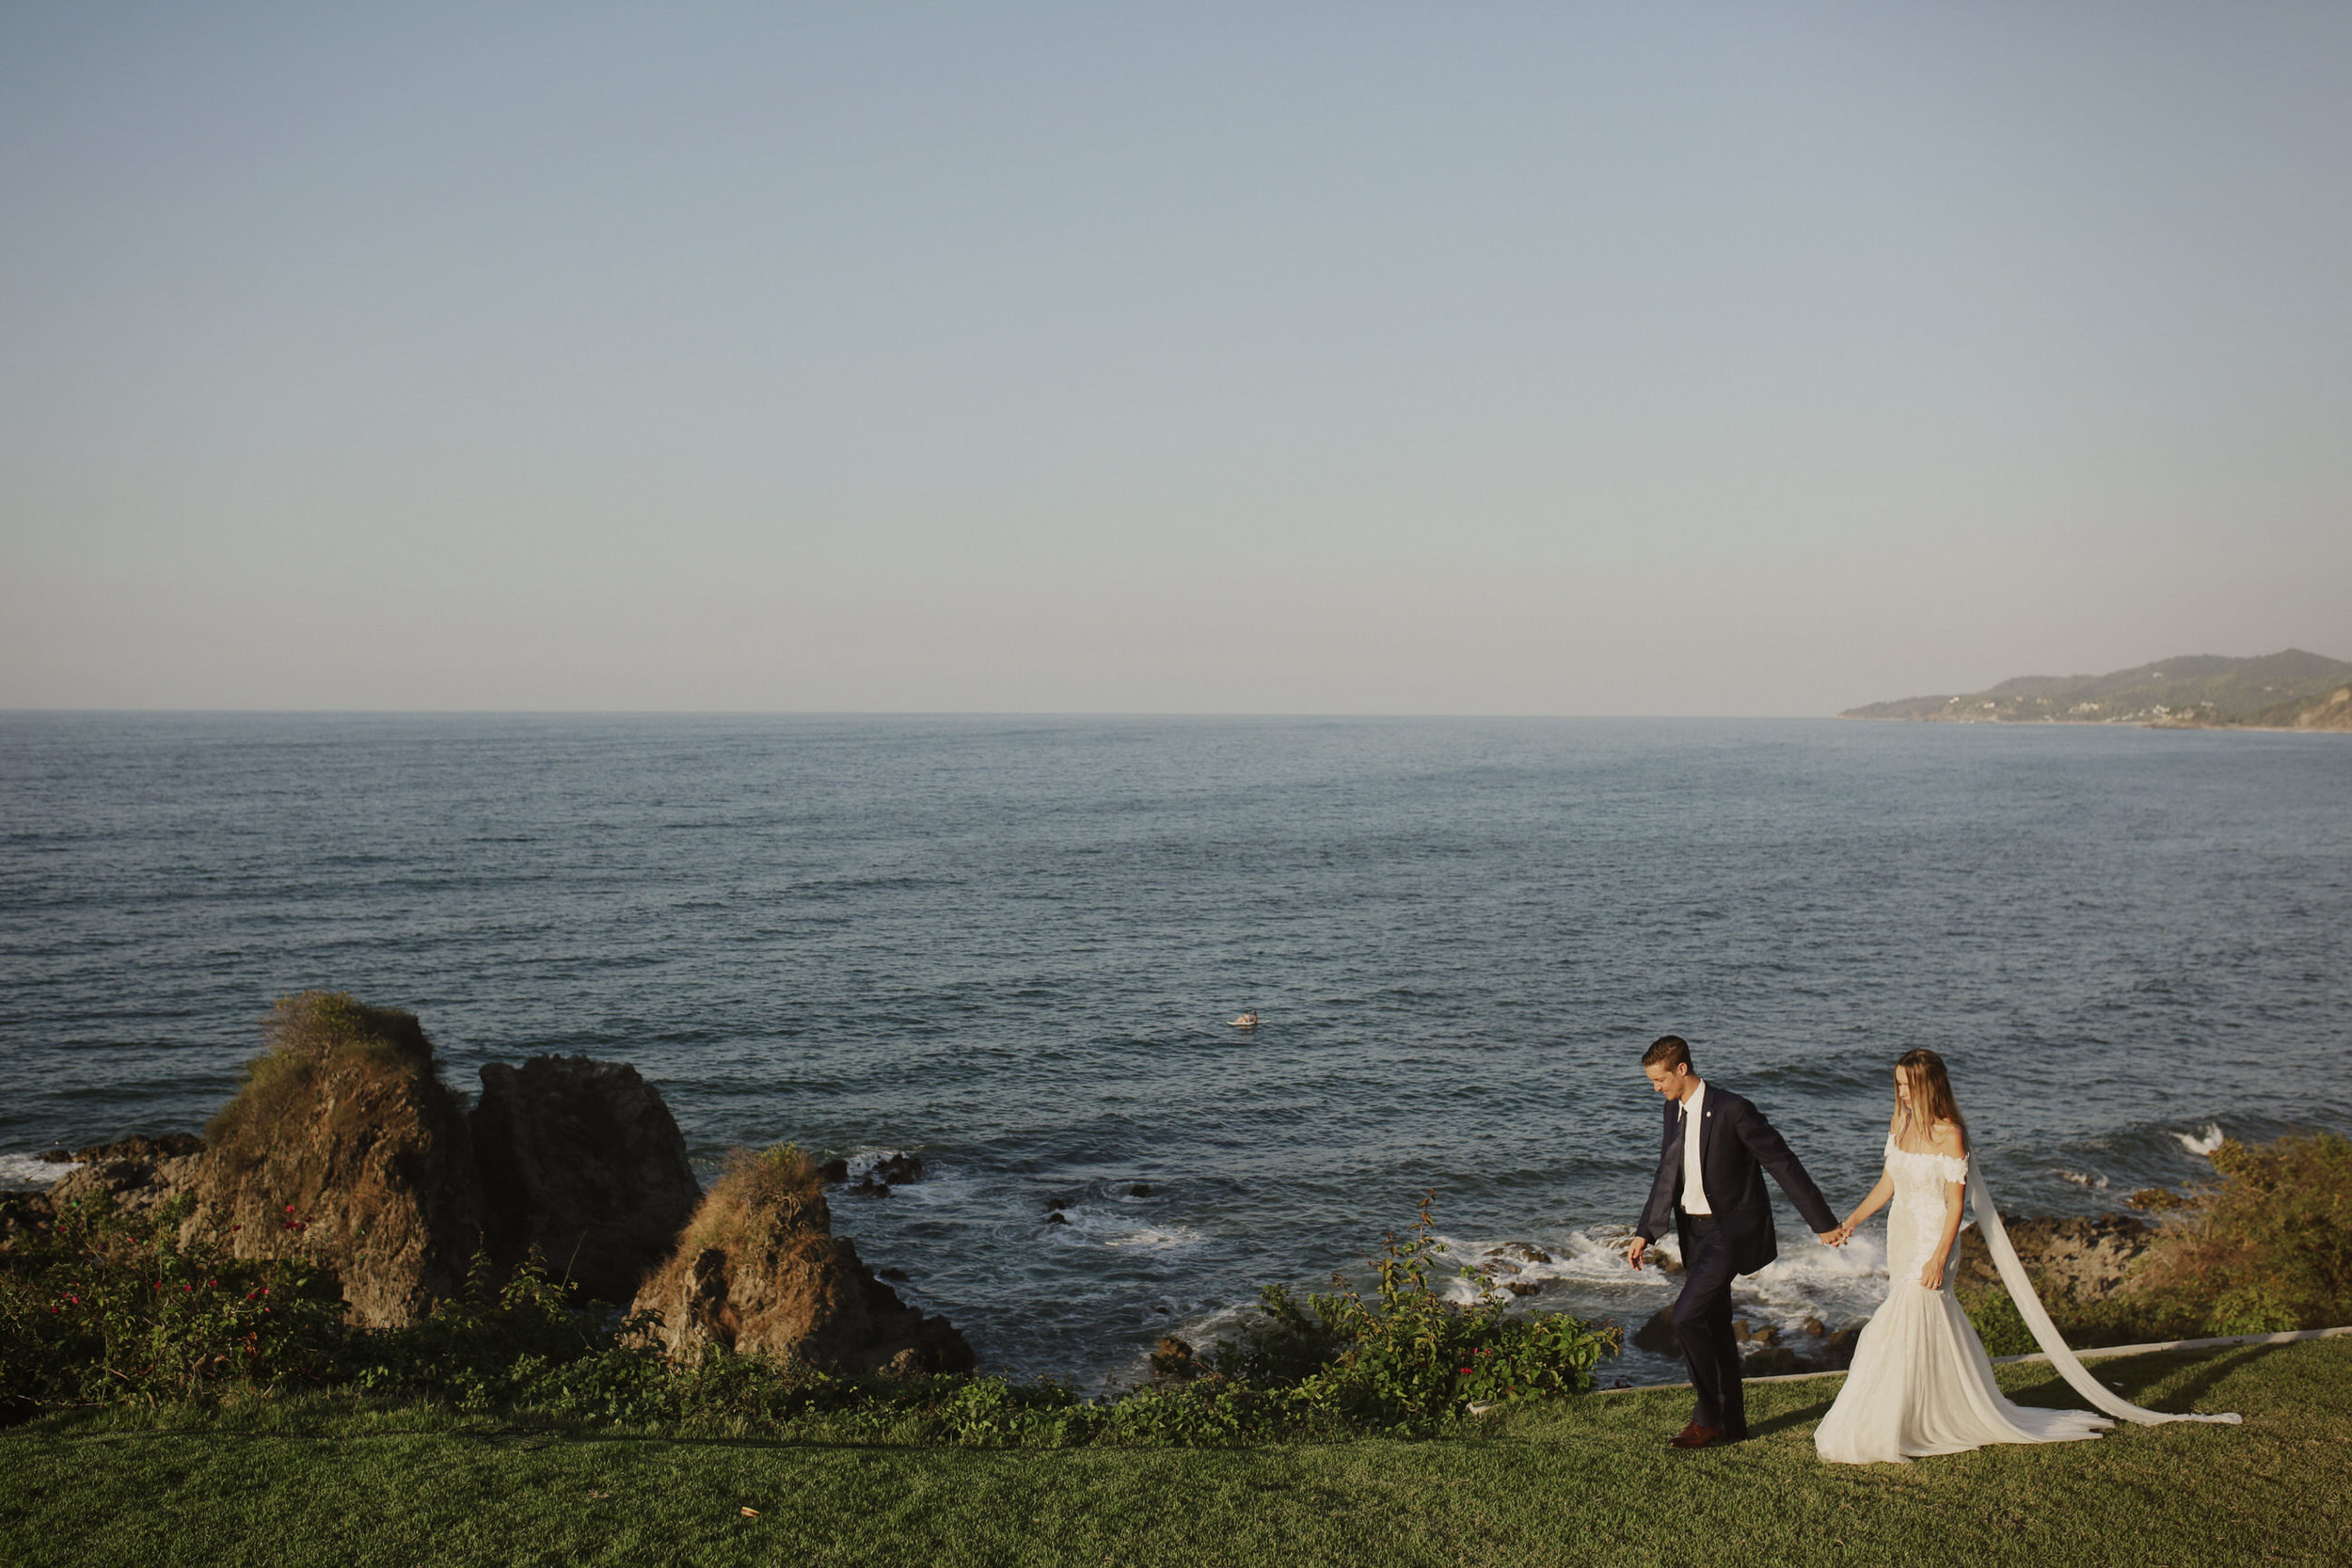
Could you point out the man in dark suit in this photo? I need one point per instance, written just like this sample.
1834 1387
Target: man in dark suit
1711 1188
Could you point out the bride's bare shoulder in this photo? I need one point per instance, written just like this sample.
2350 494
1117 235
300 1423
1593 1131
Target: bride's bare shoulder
1946 1137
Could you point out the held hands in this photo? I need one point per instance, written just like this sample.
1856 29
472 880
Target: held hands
1839 1237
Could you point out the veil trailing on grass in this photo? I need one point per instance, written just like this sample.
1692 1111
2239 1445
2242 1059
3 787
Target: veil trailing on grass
2045 1333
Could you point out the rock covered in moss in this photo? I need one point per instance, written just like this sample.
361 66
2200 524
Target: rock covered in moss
759 1270
343 1148
583 1159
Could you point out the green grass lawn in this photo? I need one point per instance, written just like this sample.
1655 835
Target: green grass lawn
1588 1481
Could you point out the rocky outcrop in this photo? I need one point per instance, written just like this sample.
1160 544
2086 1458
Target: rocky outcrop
583 1159
2083 1259
345 1148
134 1176
759 1271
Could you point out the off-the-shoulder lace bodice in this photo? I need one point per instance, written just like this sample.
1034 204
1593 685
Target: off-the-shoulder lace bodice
1915 1218
1925 1162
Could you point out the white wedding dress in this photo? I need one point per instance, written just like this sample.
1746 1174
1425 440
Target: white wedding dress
1921 1383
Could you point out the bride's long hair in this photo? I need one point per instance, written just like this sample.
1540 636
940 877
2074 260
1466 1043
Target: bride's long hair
1931 1090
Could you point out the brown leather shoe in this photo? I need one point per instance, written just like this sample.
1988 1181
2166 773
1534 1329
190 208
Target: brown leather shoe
1694 1437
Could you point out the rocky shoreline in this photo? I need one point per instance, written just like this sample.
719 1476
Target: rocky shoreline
346 1150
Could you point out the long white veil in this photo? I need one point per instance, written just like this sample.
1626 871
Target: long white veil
2045 1333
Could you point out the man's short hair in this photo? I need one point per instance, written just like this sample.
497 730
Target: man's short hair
1669 1052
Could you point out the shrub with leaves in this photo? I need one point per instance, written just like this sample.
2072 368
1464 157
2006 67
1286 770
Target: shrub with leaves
2269 1248
93 1311
1406 1355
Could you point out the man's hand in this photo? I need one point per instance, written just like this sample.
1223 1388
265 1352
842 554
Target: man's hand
1834 1237
1634 1254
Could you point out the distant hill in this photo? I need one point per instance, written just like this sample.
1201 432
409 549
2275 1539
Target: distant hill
2292 691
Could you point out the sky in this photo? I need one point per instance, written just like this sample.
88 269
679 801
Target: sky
1367 358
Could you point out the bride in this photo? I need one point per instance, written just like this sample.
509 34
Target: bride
1921 1383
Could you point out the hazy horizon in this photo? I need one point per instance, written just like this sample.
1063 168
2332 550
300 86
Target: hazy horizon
1516 361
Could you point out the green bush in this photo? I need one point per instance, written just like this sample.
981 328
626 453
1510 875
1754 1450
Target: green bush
1407 1355
93 1311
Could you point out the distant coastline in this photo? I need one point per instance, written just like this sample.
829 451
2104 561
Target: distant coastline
2288 690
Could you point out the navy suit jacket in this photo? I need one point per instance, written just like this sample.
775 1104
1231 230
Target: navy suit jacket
1737 1146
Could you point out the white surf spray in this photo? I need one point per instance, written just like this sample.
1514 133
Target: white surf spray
30 1172
2202 1143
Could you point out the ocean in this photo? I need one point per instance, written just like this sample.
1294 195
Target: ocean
1013 945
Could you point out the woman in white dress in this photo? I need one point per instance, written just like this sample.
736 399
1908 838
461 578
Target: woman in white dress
1921 1383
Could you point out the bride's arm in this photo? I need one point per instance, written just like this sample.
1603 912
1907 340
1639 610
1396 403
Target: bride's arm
1871 1205
1945 1140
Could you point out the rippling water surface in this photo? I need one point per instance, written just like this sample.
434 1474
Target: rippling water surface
1010 945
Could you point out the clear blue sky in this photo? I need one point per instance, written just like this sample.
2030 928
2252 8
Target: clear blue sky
1540 358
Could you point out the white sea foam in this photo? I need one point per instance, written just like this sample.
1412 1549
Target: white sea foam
2082 1179
30 1172
2202 1143
1084 1225
1588 1274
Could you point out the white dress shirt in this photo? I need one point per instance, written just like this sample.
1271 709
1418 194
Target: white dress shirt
1694 1189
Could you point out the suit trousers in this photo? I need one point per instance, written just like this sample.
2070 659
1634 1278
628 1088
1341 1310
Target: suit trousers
1702 1319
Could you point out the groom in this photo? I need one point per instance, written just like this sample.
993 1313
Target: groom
1711 1188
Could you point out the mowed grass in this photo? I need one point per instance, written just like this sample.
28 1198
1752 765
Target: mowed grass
1578 1482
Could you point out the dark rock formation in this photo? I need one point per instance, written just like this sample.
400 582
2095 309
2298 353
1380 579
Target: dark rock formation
582 1159
877 1178
1762 1351
898 1170
1141 1189
760 1271
2085 1259
1763 1355
345 1148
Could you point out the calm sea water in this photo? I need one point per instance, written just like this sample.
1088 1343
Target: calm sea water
1011 945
